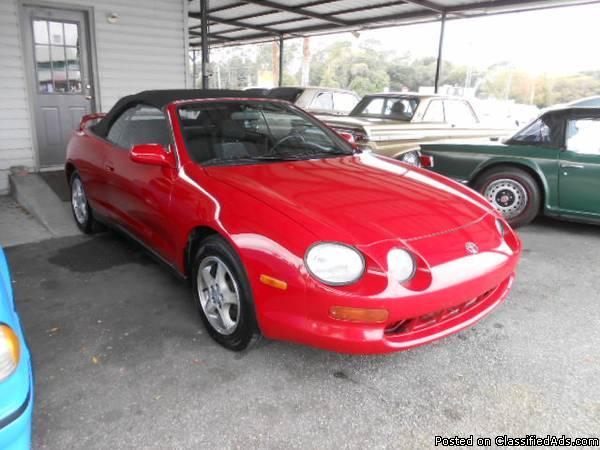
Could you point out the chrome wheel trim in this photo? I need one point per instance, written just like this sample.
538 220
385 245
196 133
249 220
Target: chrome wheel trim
79 201
508 196
219 295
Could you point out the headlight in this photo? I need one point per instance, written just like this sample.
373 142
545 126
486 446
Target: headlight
500 227
9 351
335 264
411 158
401 265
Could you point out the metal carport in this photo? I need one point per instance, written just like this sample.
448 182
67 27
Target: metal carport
231 22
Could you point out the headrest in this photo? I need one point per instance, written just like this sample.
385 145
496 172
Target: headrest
398 107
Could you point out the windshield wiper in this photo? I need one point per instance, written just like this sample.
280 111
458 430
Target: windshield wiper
276 157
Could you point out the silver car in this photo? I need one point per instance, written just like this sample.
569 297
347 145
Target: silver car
317 100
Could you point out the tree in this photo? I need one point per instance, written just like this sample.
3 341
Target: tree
367 68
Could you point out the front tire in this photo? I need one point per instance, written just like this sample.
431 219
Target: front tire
223 294
80 207
513 192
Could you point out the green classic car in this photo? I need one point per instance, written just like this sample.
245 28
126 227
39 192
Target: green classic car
551 166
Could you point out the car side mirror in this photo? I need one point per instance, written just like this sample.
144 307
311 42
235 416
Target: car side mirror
152 154
348 137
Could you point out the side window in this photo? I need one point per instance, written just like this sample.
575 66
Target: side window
140 125
583 136
434 112
116 129
344 102
323 100
538 132
375 107
459 113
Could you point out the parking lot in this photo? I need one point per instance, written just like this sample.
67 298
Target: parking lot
122 360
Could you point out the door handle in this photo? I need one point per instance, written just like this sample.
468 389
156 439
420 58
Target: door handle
571 166
109 167
88 97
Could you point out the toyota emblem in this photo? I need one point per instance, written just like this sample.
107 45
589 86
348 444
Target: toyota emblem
472 248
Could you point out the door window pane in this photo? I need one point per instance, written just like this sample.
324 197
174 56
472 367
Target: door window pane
56 33
147 125
40 32
73 69
583 136
459 113
536 133
44 74
140 125
58 65
400 108
71 34
116 129
59 68
343 102
435 112
374 107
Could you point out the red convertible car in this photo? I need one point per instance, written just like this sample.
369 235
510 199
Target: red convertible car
284 228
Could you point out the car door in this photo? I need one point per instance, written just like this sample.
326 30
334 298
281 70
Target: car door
140 193
579 175
461 119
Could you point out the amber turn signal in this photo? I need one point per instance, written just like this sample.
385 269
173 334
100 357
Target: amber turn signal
273 282
358 314
10 351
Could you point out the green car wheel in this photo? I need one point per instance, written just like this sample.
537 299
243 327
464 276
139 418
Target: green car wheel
513 192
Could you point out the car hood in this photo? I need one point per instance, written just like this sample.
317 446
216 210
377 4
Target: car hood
362 199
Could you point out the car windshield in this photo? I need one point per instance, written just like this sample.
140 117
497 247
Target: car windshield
248 132
394 108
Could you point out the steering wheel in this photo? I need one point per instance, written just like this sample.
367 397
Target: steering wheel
285 138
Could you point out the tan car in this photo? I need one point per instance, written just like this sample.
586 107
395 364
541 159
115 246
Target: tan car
395 124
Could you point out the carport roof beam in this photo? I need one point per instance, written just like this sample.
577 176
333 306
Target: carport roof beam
237 23
427 5
299 10
247 21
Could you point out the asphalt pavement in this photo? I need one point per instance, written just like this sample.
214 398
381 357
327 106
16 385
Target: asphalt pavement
122 360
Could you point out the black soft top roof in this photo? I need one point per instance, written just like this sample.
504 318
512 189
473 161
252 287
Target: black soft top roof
160 99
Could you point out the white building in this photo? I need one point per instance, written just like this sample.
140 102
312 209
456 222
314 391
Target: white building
62 59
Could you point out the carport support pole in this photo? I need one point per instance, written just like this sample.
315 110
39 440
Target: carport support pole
281 60
440 51
204 32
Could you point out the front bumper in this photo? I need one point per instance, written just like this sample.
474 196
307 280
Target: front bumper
15 431
461 292
400 333
15 425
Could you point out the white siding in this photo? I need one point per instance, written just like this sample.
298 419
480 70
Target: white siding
143 50
15 126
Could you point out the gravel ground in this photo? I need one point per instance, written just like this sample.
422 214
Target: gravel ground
122 360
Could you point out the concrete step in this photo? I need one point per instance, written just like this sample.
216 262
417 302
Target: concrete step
17 226
42 202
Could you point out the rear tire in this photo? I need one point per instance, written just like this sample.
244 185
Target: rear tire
80 207
513 192
223 295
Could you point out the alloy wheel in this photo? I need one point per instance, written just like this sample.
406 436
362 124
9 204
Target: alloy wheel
79 201
219 295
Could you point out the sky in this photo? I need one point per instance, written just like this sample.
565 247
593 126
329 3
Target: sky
557 41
